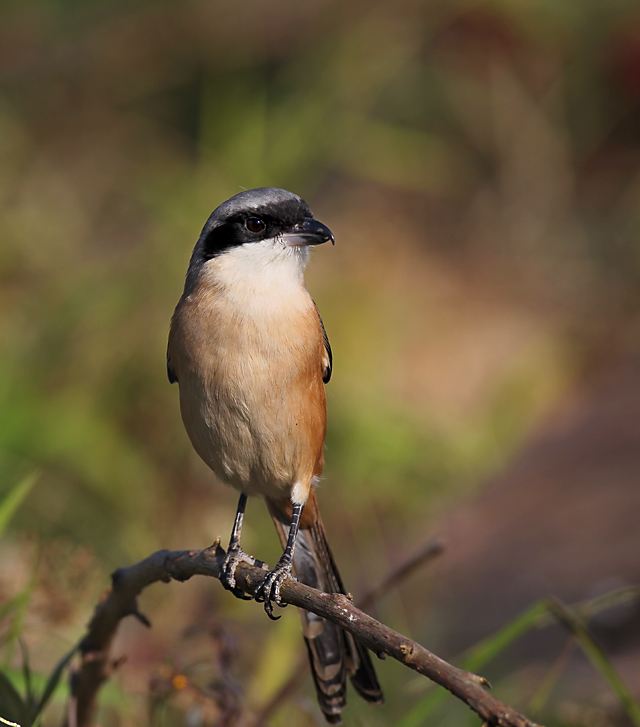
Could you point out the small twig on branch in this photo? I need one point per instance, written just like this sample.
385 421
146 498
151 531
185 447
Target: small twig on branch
128 583
421 556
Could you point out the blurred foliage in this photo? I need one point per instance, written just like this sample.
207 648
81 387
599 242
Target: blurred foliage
478 163
540 615
26 709
14 499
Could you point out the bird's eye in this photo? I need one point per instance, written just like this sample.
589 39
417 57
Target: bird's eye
255 224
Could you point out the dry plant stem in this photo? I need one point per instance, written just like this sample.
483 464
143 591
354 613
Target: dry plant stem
421 556
120 601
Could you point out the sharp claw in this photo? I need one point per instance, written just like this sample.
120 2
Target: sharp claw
239 593
268 609
268 592
234 556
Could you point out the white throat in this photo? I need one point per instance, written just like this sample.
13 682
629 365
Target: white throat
261 269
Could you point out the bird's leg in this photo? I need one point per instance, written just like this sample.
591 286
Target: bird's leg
269 588
235 554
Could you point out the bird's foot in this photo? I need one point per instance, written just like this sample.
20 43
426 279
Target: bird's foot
235 555
269 589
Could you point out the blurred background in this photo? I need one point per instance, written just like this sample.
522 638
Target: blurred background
478 165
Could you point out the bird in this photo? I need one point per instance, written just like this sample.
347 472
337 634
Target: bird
251 357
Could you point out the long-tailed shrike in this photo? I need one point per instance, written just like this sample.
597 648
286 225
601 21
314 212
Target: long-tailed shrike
251 356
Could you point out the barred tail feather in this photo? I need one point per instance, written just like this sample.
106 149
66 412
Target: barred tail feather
333 654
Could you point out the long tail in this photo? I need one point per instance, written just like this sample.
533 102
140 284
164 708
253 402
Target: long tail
333 654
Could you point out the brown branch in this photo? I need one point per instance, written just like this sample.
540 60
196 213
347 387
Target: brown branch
422 555
128 583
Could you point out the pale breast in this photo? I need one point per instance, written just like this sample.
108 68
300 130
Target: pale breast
251 391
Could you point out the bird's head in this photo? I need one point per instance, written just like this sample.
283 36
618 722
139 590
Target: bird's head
258 227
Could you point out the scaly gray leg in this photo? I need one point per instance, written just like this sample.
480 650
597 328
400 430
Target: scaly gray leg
235 554
269 588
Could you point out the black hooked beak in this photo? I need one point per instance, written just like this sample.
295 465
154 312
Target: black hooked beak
310 232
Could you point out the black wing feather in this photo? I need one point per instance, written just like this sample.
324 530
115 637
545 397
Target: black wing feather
326 374
171 372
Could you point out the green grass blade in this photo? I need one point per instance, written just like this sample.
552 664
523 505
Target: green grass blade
620 596
53 680
551 678
491 647
596 656
11 705
26 675
14 499
477 657
13 603
18 609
